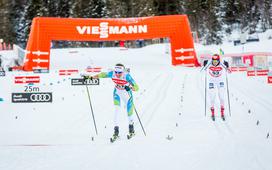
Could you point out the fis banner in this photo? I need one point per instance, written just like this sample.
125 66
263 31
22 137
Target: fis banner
26 79
67 72
45 97
93 69
262 72
251 73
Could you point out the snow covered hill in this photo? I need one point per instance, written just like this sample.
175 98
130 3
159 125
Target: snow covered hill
170 102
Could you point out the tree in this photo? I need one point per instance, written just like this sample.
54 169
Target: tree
230 14
32 9
266 14
166 7
212 22
89 9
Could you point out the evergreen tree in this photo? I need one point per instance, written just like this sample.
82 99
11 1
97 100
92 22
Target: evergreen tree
15 8
32 9
50 8
266 15
89 9
206 16
212 22
250 15
194 9
166 7
5 24
64 8
231 13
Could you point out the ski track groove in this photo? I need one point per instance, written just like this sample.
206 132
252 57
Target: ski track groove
253 97
160 97
151 84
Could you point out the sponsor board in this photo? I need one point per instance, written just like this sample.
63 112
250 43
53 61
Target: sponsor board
251 73
242 68
262 72
269 79
45 97
234 69
67 72
93 69
40 71
26 79
80 81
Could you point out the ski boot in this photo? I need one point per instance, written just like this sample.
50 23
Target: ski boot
115 134
222 113
212 110
131 131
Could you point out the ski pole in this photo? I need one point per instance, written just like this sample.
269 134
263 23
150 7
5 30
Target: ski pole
91 108
137 115
228 92
139 119
205 92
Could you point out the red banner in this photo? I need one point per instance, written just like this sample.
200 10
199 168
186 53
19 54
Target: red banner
234 69
242 68
251 73
67 72
94 69
262 72
27 79
269 79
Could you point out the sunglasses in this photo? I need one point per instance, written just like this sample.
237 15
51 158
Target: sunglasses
118 72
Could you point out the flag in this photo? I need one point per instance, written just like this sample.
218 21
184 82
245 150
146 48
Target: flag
221 52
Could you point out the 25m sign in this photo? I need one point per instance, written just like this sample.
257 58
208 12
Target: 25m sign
45 97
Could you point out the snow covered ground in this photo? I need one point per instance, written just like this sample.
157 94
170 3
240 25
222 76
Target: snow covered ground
170 102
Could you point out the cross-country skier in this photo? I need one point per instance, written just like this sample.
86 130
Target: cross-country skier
2 71
1 62
124 85
216 70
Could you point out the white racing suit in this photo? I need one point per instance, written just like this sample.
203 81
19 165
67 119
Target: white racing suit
216 83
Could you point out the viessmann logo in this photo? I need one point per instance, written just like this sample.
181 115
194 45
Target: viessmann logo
104 29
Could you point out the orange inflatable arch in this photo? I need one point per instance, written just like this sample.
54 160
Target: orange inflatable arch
44 30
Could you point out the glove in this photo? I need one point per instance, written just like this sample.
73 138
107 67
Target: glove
127 88
85 77
226 64
205 63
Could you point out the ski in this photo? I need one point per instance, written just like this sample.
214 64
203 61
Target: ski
130 135
113 139
213 118
222 117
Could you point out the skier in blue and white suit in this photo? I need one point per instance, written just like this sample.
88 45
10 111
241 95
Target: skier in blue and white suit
124 85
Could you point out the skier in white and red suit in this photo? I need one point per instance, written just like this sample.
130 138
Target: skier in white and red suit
216 71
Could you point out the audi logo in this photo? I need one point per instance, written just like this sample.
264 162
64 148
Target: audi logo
40 97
